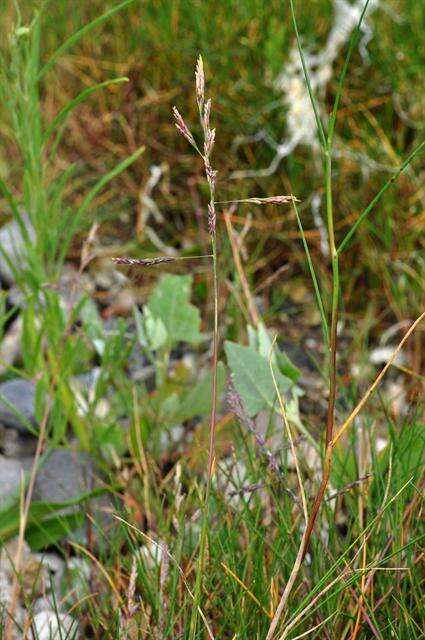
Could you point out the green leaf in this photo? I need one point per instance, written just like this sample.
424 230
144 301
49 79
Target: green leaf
170 302
198 401
259 340
48 532
156 332
10 516
169 407
252 378
286 366
93 325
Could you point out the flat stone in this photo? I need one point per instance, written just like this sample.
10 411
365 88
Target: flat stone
65 475
21 394
11 471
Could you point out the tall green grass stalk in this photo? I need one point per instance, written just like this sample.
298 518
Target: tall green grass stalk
326 140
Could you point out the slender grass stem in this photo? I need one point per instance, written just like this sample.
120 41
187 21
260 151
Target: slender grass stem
335 298
209 137
332 353
323 320
214 365
211 452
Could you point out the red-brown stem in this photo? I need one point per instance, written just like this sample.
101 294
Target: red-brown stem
327 466
333 346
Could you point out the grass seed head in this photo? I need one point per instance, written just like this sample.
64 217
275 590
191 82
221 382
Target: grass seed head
200 83
183 128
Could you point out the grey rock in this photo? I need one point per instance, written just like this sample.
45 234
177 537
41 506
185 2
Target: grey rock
21 394
13 245
16 445
10 346
11 471
51 625
64 475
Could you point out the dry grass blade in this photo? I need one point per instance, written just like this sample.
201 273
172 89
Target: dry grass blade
246 589
299 558
347 570
174 561
238 263
317 626
260 201
142 262
376 382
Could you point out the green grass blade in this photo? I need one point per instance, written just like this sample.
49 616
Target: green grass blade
378 196
307 79
92 194
72 104
353 41
10 200
80 34
313 276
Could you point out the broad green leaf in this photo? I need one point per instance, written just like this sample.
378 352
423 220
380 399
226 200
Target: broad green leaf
252 378
140 328
265 343
260 341
170 302
93 325
286 366
156 332
198 400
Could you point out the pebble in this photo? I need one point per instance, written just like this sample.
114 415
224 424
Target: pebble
38 574
51 625
21 394
11 473
10 346
16 445
64 475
